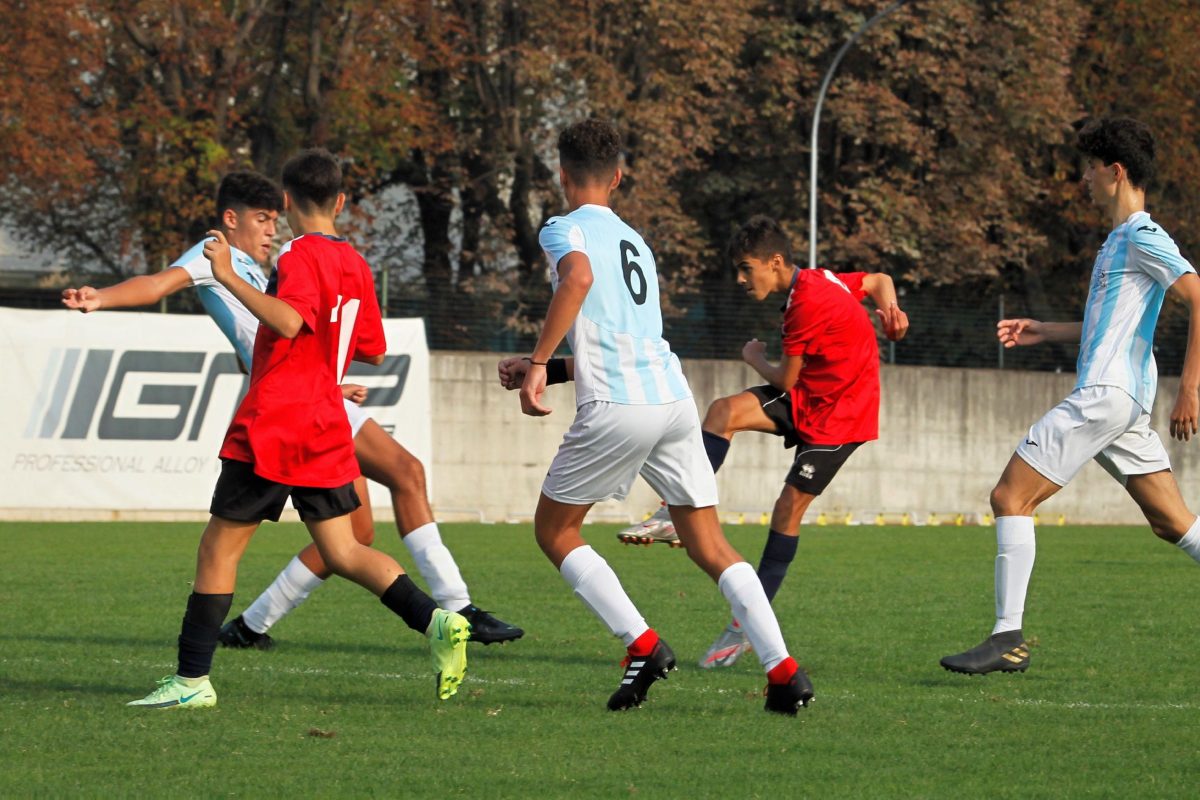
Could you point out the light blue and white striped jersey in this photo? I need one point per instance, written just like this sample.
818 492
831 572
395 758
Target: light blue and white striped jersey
234 319
620 355
1133 271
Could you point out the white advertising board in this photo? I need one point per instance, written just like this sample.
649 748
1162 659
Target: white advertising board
125 412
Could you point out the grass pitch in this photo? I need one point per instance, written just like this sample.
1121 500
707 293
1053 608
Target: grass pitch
345 705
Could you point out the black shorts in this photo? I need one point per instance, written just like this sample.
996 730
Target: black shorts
815 464
243 496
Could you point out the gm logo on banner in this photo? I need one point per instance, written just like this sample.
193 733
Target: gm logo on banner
161 395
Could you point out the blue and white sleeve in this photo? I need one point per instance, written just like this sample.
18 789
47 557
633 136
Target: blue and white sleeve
196 265
1158 255
560 236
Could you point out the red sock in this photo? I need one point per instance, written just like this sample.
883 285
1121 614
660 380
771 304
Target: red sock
644 644
783 671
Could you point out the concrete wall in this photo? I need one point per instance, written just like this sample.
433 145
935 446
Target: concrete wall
946 435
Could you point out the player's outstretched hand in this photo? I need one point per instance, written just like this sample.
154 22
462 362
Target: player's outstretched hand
512 372
216 250
1013 332
1186 415
83 299
532 389
895 322
355 393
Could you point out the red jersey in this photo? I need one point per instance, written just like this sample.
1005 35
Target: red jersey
292 424
836 396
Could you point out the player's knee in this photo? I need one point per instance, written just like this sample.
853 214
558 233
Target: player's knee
405 474
716 419
1006 503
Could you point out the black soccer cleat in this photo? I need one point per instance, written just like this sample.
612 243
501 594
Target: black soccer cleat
235 633
640 672
486 629
786 698
1001 652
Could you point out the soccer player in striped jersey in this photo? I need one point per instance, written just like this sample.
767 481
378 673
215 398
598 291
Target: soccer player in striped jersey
634 414
1107 416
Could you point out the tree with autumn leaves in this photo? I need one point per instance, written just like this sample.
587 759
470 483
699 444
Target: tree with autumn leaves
945 154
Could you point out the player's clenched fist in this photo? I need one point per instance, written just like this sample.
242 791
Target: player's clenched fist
84 299
512 372
532 389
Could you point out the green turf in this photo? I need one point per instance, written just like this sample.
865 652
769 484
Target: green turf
345 705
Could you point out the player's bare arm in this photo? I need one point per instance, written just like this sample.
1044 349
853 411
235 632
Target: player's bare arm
782 375
141 290
882 291
512 370
1024 332
574 283
271 311
1185 416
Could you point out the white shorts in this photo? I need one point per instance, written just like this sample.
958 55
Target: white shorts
1100 422
356 415
609 444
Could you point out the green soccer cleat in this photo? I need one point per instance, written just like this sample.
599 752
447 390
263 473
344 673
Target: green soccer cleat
173 692
448 634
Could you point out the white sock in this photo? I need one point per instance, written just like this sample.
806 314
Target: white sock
1015 549
288 590
751 608
1190 543
595 583
437 567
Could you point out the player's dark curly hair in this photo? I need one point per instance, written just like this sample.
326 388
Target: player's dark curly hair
313 179
589 151
1121 140
243 190
760 237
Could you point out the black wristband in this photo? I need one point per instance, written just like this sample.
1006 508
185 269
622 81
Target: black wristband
556 371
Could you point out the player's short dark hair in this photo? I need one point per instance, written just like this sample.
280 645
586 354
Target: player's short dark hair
760 237
313 179
245 189
1121 140
589 151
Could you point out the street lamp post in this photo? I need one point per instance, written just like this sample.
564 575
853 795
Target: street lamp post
837 59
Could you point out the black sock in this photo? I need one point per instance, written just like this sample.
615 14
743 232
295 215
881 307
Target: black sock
777 556
198 634
716 447
411 604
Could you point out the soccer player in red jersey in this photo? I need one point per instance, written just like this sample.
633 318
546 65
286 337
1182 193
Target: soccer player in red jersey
822 398
291 437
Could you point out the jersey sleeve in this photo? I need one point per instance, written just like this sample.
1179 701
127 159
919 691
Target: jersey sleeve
854 282
560 236
198 268
297 285
370 340
1158 256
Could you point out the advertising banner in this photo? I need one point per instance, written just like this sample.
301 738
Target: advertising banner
126 412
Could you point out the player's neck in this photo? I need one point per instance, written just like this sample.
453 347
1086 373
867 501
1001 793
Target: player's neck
1127 203
583 197
303 224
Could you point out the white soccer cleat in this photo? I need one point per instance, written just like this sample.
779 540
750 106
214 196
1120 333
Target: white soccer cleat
174 692
657 528
727 649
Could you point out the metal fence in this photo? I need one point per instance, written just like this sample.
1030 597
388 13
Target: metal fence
950 327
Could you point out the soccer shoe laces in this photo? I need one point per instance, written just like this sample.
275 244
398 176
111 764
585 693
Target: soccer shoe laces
164 685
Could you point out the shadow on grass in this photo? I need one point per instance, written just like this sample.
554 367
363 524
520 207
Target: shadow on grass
27 689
